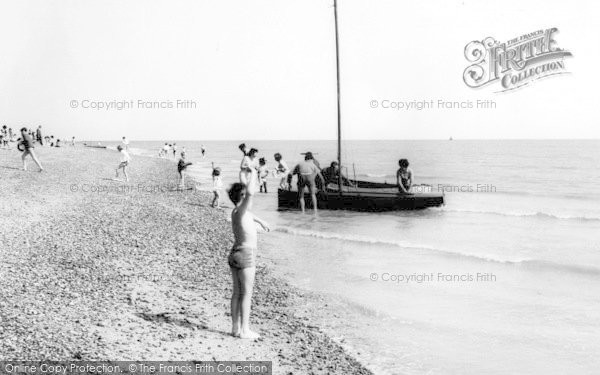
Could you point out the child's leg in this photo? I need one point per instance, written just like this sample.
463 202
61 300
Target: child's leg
246 277
125 173
23 155
35 159
235 299
265 184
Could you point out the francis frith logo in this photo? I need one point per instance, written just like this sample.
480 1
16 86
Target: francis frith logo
514 63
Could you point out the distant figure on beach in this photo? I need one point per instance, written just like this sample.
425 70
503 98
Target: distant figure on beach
38 135
242 259
124 162
404 176
51 141
282 171
4 136
203 150
73 141
174 148
217 187
248 163
181 167
27 145
263 173
165 150
124 143
307 172
57 143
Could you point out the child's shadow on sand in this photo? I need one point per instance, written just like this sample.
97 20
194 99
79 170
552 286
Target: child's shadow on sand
17 169
186 323
196 204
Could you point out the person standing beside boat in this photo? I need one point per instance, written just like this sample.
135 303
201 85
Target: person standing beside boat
404 176
282 171
307 172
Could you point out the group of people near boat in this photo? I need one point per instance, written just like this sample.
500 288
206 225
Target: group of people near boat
242 257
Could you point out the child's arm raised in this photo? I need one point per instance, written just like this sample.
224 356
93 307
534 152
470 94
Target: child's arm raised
251 187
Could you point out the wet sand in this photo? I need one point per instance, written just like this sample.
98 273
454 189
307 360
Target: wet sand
95 269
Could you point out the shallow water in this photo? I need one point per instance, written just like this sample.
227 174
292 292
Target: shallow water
505 278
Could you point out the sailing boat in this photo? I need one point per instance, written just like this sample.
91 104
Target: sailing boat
360 195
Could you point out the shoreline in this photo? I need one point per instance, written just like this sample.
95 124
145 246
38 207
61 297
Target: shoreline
135 274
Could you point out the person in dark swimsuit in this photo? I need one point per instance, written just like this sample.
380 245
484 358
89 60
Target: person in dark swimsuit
28 146
182 164
404 176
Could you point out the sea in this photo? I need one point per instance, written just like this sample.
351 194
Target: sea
503 279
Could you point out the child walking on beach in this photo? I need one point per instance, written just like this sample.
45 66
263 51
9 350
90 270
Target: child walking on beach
181 166
217 187
124 162
27 145
242 259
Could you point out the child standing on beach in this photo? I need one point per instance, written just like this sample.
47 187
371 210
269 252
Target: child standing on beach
242 259
263 173
217 187
27 144
181 167
124 162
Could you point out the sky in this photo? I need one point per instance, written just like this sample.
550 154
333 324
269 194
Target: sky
258 69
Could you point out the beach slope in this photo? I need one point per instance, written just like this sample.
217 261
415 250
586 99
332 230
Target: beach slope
96 269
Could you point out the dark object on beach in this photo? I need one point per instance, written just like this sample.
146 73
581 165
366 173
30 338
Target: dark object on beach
364 195
93 146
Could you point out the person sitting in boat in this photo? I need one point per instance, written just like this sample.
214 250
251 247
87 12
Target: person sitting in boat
331 175
404 176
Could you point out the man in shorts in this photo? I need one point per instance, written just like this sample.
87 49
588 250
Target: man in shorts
307 172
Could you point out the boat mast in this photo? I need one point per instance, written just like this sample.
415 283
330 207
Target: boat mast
339 121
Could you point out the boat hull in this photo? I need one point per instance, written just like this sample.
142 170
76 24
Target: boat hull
371 200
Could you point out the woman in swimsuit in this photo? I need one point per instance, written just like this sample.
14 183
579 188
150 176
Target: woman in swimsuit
404 176
242 259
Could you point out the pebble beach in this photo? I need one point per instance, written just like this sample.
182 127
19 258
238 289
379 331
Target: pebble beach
96 269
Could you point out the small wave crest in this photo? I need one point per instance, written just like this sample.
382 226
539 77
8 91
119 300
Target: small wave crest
523 262
542 215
